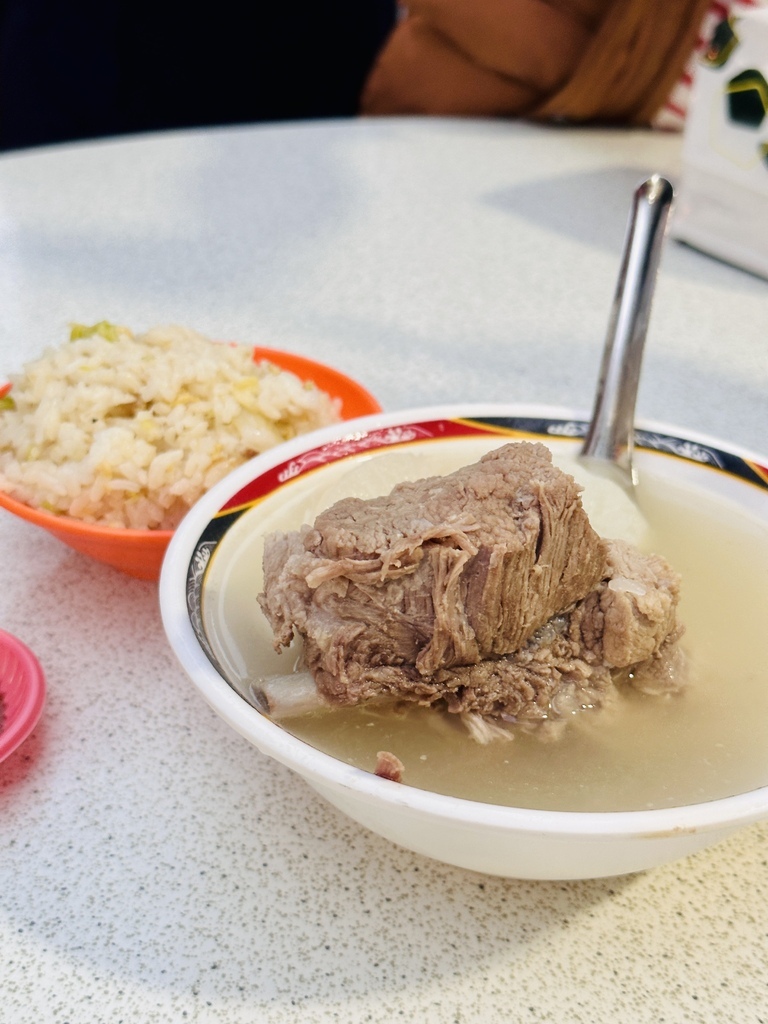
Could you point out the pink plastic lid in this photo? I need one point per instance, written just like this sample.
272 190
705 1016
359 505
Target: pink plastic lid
22 693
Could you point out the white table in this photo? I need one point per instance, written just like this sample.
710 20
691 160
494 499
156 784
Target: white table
154 866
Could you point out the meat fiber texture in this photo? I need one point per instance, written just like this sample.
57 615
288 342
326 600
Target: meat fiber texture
486 591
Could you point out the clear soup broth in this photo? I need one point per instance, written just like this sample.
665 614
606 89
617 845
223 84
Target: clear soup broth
643 752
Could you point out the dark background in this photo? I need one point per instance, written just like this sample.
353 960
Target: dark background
87 70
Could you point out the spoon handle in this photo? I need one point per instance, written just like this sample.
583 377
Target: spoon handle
611 429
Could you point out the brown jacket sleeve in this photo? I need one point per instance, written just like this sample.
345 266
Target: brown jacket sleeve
609 61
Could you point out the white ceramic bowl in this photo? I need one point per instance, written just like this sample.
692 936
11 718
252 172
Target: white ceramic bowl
514 842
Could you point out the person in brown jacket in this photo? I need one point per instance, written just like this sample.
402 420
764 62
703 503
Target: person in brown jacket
610 61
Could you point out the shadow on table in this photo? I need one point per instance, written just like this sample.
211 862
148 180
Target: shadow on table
593 207
20 767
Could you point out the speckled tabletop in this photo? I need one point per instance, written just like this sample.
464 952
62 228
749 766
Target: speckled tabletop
157 868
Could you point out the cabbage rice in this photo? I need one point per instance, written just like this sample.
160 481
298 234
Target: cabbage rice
130 430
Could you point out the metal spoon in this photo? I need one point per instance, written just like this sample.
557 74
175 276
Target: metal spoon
609 442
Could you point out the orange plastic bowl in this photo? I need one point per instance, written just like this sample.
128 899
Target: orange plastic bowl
140 553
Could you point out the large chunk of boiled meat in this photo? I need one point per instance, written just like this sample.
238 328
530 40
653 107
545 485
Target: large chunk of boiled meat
486 591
